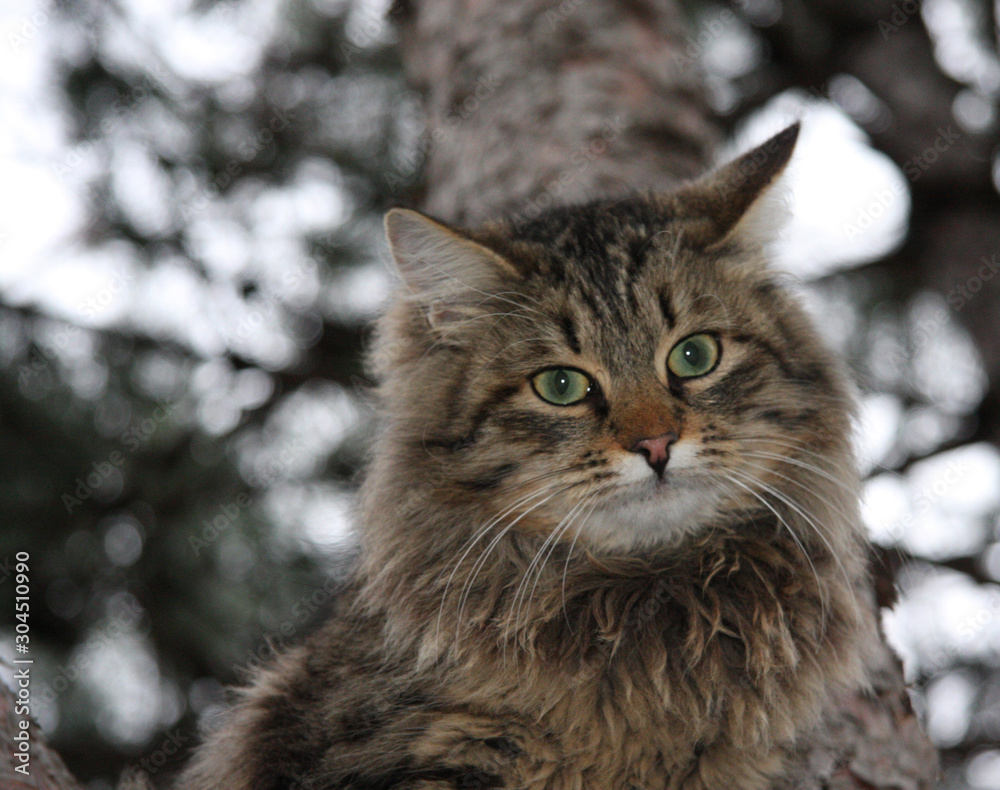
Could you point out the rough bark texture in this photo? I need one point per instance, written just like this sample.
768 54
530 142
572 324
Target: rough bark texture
46 769
534 103
869 740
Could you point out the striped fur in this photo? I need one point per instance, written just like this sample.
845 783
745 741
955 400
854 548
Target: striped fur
534 607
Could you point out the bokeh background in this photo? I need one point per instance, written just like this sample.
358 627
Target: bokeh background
191 256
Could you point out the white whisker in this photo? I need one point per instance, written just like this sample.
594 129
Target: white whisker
550 542
481 561
791 533
809 520
583 522
478 535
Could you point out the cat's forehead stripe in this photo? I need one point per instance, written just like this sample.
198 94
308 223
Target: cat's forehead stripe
569 330
667 308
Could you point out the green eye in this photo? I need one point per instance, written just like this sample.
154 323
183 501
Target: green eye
561 386
694 356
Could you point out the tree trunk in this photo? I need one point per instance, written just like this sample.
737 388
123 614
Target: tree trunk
535 103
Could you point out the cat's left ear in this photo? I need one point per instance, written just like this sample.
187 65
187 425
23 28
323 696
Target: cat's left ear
448 272
733 202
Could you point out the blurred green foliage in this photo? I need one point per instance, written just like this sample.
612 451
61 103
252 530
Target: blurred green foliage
145 516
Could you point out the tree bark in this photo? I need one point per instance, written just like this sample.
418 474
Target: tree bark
46 770
537 103
534 103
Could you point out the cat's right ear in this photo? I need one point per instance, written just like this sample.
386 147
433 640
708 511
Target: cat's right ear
738 200
440 267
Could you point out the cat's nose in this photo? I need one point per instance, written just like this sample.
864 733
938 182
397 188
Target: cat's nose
656 451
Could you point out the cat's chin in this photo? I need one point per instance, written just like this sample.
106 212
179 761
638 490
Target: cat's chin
652 515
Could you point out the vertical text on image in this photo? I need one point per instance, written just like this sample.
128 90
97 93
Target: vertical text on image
22 664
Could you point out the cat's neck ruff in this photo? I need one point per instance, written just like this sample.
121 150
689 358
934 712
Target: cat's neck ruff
734 622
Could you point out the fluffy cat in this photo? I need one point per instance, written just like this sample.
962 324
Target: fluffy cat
609 529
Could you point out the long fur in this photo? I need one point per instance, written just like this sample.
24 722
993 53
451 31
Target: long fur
533 608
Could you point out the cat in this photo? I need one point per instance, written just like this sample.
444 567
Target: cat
609 530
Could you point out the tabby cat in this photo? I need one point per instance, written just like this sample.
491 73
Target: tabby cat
609 532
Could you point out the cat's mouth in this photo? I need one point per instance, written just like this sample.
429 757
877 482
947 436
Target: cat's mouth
643 481
645 508
652 512
658 488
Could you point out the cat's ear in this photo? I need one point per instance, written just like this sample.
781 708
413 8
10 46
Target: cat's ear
735 201
448 272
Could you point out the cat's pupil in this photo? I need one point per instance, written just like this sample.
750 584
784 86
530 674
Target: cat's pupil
692 354
561 382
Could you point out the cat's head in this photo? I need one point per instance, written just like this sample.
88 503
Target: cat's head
622 372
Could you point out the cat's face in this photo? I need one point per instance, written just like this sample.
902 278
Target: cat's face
598 377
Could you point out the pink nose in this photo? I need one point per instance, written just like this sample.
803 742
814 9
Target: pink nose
656 451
